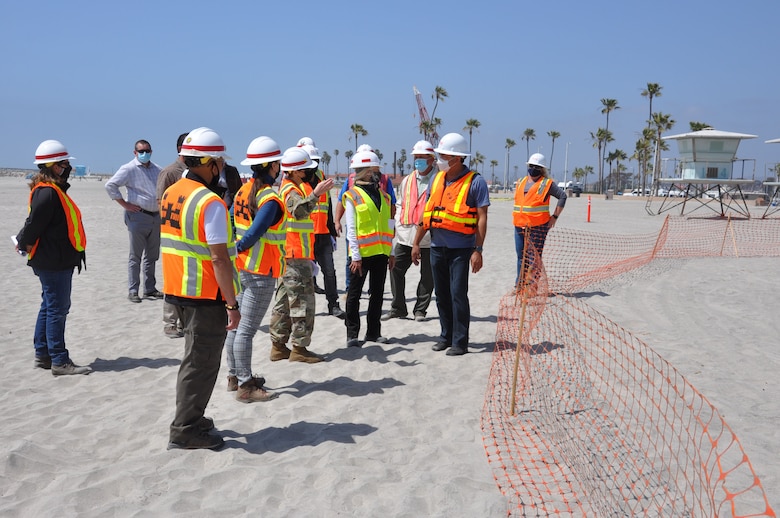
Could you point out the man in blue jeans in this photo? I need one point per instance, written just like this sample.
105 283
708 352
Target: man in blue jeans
456 215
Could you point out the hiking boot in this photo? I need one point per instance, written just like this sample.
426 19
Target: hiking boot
154 295
133 297
301 354
279 352
249 392
232 383
456 351
337 312
353 342
203 440
173 332
68 369
206 424
42 363
392 314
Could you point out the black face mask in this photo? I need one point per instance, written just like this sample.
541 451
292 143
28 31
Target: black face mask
309 175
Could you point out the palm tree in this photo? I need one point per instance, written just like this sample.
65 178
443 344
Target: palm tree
509 145
439 94
698 126
477 160
553 135
336 154
348 154
493 165
427 128
358 130
652 90
662 122
436 121
471 125
326 161
615 156
600 139
378 154
609 106
528 135
401 160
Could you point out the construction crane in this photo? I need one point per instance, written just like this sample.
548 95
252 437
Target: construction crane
431 136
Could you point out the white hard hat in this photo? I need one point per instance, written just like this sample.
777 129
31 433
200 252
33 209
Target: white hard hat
537 159
203 142
364 159
305 141
296 158
261 151
423 147
51 151
364 147
453 144
313 152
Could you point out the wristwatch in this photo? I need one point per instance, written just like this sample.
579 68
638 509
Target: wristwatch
478 249
554 216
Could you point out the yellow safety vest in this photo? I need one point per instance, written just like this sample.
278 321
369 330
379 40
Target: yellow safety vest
372 225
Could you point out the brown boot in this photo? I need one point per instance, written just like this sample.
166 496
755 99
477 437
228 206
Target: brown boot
279 352
301 354
232 384
249 392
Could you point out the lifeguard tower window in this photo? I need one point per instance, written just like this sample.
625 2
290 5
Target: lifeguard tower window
712 172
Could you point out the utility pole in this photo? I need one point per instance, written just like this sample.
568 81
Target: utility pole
566 166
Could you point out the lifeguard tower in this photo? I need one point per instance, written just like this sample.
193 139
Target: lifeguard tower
706 173
774 201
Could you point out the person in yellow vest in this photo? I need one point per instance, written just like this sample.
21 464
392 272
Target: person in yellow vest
324 235
54 241
456 216
370 230
532 210
408 215
260 223
200 279
292 317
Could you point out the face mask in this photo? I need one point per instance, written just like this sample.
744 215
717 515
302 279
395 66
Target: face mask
420 164
309 175
376 177
144 157
66 172
534 173
442 164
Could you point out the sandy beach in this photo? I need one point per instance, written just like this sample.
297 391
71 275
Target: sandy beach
384 430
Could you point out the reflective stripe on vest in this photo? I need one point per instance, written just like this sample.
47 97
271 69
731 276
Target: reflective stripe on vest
76 234
533 208
412 202
266 256
300 232
446 207
372 225
320 213
187 268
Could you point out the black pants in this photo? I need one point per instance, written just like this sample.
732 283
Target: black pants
323 254
376 267
403 260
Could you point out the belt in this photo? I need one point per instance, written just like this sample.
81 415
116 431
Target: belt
155 213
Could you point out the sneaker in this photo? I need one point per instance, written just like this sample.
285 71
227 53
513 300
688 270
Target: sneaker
378 339
206 424
133 297
42 363
440 346
337 312
456 351
353 342
154 295
249 392
202 441
392 314
68 369
301 354
173 332
419 317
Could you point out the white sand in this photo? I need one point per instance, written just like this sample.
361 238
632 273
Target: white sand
390 430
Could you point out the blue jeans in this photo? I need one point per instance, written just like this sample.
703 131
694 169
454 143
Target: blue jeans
450 267
144 250
49 338
253 300
537 236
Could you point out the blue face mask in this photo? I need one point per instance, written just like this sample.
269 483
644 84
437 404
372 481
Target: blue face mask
144 157
420 164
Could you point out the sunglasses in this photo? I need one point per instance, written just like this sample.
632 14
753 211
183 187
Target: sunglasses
143 150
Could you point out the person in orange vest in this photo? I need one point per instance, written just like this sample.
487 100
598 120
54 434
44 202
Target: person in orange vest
412 195
201 280
54 241
370 229
258 213
292 317
456 216
532 210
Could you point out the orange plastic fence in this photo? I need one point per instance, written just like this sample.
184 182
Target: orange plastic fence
599 424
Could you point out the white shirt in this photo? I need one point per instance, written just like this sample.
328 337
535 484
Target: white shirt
140 182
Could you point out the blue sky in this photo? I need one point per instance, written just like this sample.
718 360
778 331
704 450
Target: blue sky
100 75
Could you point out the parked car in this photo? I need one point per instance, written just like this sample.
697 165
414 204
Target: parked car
676 193
712 193
576 188
638 192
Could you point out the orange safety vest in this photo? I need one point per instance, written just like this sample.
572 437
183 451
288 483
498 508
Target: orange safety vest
446 207
186 260
266 256
300 232
320 213
412 202
372 224
76 234
533 208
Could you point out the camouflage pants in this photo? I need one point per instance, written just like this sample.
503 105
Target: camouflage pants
292 317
